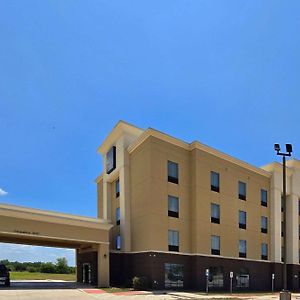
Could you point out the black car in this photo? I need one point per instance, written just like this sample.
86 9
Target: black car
4 275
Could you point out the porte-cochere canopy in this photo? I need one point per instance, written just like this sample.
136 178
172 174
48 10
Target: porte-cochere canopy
22 225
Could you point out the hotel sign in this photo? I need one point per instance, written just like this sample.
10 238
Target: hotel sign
111 160
26 232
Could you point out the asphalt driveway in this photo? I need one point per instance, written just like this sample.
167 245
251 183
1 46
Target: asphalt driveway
63 290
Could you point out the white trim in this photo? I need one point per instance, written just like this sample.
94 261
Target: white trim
191 254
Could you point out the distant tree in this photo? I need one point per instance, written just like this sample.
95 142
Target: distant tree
31 269
62 266
20 267
48 268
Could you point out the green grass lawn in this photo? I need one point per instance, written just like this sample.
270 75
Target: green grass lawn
41 276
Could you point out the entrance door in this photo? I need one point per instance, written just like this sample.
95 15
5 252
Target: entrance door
86 273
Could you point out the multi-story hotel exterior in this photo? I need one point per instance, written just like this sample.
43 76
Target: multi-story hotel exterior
181 208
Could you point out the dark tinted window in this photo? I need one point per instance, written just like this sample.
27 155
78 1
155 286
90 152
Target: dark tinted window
172 172
214 181
242 190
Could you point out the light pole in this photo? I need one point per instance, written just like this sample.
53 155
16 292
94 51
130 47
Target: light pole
284 294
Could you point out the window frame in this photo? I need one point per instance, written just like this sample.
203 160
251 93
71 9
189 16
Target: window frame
213 187
118 216
173 179
262 228
213 219
172 213
118 242
242 225
117 187
172 245
179 283
262 201
242 254
213 239
242 196
263 255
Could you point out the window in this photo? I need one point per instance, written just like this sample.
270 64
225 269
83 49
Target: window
264 197
215 213
117 188
118 215
173 240
299 231
173 276
264 251
242 248
111 160
282 233
172 172
215 245
243 278
282 254
214 181
173 206
216 277
242 190
118 242
242 219
264 224
282 204
299 208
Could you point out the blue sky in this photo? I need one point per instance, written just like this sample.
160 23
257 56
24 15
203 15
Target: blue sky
226 73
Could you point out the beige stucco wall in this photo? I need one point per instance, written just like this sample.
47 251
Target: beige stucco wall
100 198
149 190
149 206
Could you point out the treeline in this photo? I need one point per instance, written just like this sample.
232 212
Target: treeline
59 267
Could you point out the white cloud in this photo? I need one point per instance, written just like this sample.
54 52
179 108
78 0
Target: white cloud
2 192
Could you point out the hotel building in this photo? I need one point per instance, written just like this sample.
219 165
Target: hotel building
179 209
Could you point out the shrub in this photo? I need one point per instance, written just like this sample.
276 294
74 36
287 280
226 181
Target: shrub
32 269
48 268
140 283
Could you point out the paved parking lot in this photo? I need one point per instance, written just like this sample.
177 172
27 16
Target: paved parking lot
61 290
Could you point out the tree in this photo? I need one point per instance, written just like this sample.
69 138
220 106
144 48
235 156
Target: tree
62 266
48 268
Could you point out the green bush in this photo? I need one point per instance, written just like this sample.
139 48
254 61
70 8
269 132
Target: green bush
48 268
32 269
140 283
